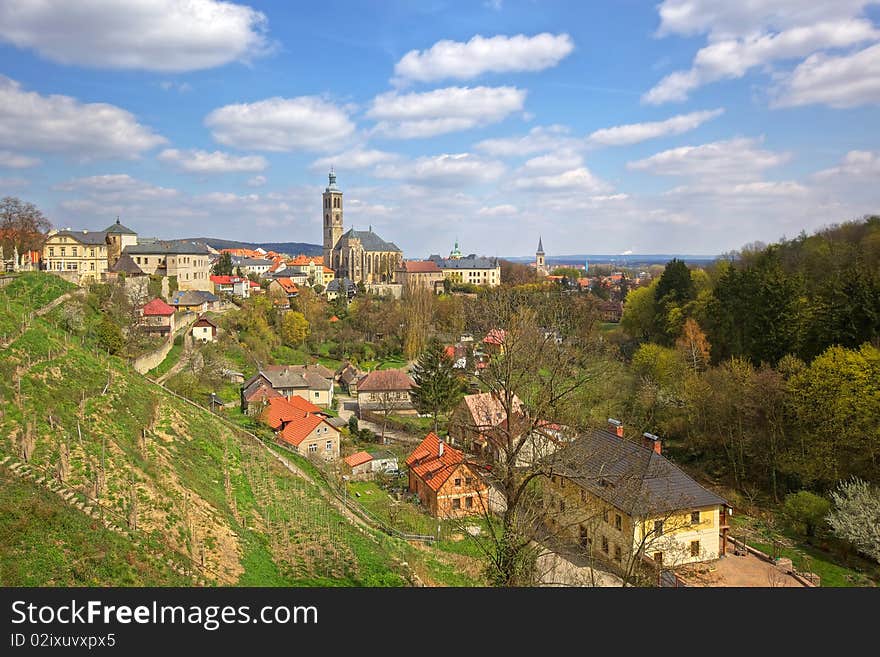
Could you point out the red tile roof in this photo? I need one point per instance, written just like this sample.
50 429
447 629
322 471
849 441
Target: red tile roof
385 380
306 260
254 284
288 285
303 405
225 280
299 428
431 467
495 336
157 308
421 267
334 319
357 459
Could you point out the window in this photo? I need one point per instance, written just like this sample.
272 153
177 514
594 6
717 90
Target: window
585 539
458 481
91 253
469 502
658 557
329 445
456 503
317 394
313 447
605 515
583 496
63 252
618 522
92 266
51 252
562 482
658 527
695 517
618 554
604 545
695 548
73 251
561 505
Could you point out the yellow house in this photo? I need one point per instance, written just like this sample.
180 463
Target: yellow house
78 254
624 503
472 269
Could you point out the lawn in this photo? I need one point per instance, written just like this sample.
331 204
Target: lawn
804 557
169 362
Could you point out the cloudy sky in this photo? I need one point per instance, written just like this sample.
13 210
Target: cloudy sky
684 126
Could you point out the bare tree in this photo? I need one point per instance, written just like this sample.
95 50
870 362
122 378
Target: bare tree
22 225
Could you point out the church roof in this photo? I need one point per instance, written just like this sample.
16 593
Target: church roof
540 246
369 240
125 265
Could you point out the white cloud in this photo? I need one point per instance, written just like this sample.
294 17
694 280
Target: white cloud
440 111
555 162
10 160
116 187
281 124
256 181
539 139
61 124
733 58
734 159
443 170
503 210
356 158
845 81
856 164
14 182
579 179
723 19
756 189
197 161
499 54
153 35
634 133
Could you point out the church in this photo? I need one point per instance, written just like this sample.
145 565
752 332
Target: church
359 255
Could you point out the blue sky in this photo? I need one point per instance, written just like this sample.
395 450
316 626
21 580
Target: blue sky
681 126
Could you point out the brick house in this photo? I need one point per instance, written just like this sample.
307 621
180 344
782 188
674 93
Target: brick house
446 484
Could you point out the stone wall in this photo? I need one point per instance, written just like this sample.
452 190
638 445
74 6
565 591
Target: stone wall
145 362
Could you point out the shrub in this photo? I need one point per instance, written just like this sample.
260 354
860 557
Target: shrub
805 512
178 340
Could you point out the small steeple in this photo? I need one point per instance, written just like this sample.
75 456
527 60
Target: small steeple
117 220
540 246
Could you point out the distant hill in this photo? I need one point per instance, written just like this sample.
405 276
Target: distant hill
628 260
291 248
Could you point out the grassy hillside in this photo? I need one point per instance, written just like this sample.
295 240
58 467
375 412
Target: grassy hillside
174 476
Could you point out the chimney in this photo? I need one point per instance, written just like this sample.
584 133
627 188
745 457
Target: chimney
653 442
440 448
615 427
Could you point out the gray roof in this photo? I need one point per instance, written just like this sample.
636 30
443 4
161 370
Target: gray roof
256 262
93 237
288 272
192 298
632 478
295 376
336 283
119 228
469 262
125 265
369 240
170 247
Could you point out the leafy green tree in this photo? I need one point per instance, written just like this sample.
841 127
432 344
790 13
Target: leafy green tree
638 312
805 512
110 336
294 328
437 386
855 517
223 266
569 272
676 284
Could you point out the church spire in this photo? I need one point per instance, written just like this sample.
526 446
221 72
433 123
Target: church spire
540 246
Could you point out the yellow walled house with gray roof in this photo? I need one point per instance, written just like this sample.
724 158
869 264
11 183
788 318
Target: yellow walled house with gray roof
624 503
84 256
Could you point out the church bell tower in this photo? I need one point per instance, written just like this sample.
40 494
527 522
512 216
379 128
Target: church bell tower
332 212
540 264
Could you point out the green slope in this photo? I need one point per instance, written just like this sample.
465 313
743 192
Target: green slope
185 482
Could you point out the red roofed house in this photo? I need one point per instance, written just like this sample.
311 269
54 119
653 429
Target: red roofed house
238 286
421 273
383 389
255 396
445 483
359 464
157 317
307 433
282 290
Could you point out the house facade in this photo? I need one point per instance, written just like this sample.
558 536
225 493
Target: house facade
386 390
204 330
421 274
445 483
78 255
188 261
472 269
314 383
622 501
157 318
309 434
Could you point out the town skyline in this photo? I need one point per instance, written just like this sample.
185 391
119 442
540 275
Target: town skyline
494 123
